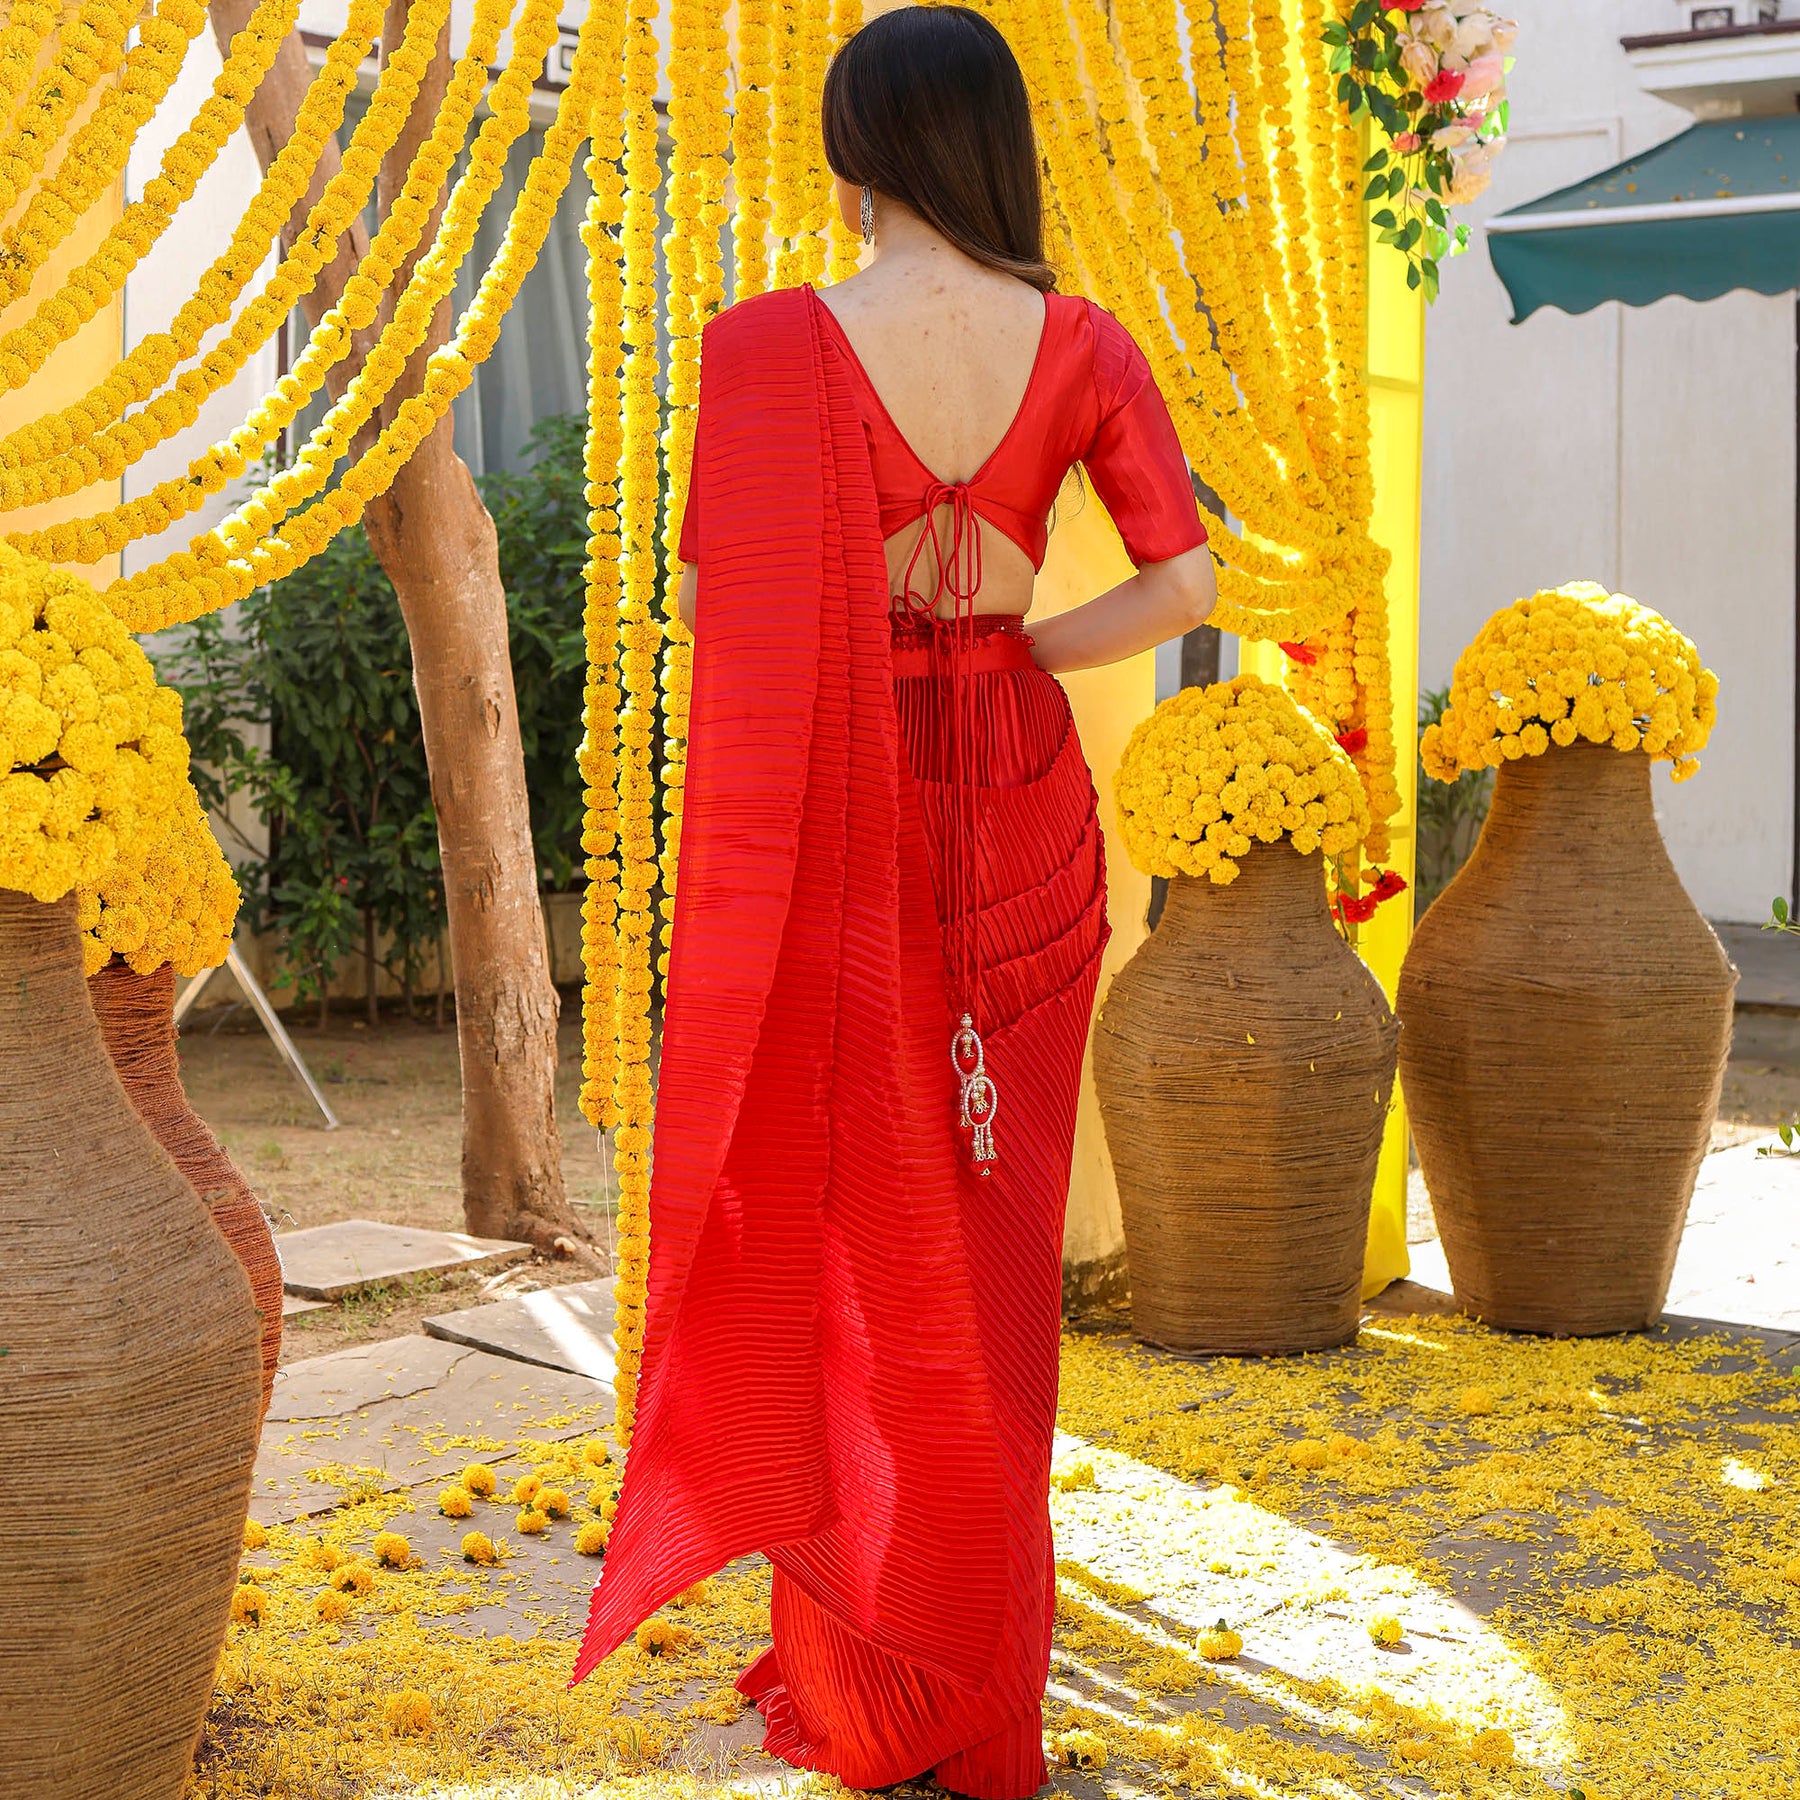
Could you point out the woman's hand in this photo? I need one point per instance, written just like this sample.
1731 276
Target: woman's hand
688 594
1162 600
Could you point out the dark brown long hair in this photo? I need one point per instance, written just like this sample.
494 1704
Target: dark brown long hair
926 105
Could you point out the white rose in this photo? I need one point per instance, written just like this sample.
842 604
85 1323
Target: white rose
1474 37
1506 34
1418 59
1452 137
1436 24
1472 168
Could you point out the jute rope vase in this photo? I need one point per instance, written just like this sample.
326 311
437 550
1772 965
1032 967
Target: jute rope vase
1244 1061
1567 1018
137 1023
129 1405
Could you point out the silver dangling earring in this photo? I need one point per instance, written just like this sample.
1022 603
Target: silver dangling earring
868 214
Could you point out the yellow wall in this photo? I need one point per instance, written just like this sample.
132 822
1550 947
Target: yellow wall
72 368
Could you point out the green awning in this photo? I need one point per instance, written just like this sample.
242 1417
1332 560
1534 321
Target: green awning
1714 209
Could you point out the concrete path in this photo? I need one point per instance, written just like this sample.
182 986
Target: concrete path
327 1262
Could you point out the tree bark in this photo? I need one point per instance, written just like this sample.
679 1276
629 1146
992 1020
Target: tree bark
437 544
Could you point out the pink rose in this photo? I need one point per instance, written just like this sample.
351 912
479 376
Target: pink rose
1407 142
1484 76
1444 86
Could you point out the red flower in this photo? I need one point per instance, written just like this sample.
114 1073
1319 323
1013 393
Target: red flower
1387 885
1352 741
1405 5
1356 909
1300 653
1444 86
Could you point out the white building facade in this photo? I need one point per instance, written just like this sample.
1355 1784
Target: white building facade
1651 449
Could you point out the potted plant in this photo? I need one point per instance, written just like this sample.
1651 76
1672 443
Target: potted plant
1567 1010
129 1388
1244 1057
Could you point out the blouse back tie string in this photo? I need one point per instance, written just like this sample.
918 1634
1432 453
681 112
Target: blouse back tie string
959 575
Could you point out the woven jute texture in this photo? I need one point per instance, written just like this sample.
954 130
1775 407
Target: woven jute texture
1244 1060
1567 1018
137 1023
129 1404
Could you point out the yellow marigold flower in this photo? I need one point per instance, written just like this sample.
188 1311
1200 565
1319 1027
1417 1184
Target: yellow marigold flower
1591 664
1080 1749
597 1452
1492 1748
554 1501
323 1555
1476 1401
256 1534
531 1522
590 1540
407 1711
247 1603
478 1547
1412 1749
354 1576
1308 1453
1074 1477
599 1494
330 1607
1791 1570
479 1480
1385 1630
525 1490
1341 1443
454 1503
696 1594
392 1550
1214 770
663 1637
1220 1644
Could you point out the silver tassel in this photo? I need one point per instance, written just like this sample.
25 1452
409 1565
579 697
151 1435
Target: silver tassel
980 1098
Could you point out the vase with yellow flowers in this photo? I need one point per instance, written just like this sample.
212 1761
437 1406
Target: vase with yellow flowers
130 1383
1244 1057
1567 1010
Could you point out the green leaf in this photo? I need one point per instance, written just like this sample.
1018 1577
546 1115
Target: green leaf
1412 275
1385 219
1346 89
1375 162
1780 909
1364 14
1338 61
1333 32
1396 182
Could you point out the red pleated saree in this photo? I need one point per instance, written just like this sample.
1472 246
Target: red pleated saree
851 1338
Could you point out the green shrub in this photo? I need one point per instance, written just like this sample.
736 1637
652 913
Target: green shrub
321 664
1450 813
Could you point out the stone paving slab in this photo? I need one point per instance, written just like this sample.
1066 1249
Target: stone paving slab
403 1413
1768 966
567 1328
292 1306
326 1262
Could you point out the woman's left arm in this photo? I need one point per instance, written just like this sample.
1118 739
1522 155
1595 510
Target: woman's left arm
688 594
1162 600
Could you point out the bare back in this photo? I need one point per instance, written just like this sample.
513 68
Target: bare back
949 348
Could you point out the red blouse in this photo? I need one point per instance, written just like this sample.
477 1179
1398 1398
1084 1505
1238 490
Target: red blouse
1090 399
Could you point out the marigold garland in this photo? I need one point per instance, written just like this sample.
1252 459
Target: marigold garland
1216 769
1574 662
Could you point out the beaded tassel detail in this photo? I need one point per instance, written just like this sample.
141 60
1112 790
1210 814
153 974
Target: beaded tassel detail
980 1098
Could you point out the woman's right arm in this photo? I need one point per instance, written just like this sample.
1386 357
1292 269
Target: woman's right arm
1162 600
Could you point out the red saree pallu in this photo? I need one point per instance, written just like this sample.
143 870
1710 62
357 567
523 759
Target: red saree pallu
850 1346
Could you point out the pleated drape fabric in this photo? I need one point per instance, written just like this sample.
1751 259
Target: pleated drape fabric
851 1338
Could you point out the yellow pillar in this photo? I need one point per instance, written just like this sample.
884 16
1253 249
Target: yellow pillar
1396 373
1085 559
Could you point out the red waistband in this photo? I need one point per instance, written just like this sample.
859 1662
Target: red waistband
989 642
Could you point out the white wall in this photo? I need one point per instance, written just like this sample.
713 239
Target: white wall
1651 449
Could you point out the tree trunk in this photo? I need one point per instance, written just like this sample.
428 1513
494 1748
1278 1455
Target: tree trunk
437 545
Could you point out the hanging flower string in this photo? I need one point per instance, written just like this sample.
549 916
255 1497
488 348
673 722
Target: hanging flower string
1432 75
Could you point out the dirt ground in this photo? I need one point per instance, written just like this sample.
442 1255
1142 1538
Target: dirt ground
396 1155
397 1152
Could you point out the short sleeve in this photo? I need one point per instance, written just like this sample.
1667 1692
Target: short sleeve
1134 459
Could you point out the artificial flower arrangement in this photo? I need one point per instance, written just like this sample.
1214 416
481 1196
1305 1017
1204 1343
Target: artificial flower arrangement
94 793
1216 769
1432 73
1574 662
